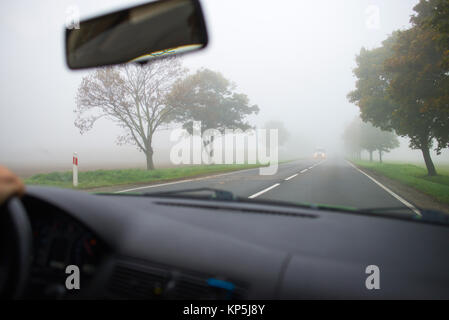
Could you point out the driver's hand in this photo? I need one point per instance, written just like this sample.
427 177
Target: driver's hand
10 185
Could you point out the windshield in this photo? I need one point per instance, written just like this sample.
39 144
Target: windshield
330 103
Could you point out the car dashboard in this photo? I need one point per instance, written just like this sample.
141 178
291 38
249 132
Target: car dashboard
138 247
60 241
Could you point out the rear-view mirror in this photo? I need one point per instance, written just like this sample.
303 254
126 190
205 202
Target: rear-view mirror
141 33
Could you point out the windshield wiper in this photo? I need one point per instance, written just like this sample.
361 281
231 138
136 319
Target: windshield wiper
383 209
224 195
427 215
217 194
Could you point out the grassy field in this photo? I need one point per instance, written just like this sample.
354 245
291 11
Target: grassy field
105 178
415 176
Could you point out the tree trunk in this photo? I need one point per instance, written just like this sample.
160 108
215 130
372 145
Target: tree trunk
211 144
149 155
380 156
370 156
209 147
429 163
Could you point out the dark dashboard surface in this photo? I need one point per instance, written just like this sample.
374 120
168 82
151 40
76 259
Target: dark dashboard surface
59 241
152 248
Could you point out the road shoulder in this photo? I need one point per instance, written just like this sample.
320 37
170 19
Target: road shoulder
416 197
201 176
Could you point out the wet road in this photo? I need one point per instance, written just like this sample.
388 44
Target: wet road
334 182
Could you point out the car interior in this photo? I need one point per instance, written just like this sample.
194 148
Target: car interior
213 245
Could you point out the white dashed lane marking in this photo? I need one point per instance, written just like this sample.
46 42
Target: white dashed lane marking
286 179
263 191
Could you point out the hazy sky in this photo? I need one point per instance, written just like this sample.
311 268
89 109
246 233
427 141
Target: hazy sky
293 58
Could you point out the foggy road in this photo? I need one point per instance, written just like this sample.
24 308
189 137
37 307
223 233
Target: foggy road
332 182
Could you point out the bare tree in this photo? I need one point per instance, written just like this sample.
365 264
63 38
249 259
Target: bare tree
133 97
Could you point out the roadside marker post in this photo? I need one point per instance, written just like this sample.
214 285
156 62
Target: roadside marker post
75 169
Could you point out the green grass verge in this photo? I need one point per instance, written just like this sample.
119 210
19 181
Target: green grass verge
106 178
414 176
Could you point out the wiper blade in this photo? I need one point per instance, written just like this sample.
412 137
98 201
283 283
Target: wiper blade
426 215
431 216
434 216
217 194
383 209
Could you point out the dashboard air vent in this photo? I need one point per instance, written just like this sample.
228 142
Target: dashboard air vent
131 283
148 281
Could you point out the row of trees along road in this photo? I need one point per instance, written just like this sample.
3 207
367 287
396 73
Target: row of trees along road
404 84
360 136
142 99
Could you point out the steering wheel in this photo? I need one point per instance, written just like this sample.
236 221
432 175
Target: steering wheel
15 249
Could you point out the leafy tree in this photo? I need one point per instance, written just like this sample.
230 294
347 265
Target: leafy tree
371 94
434 14
387 141
420 87
374 139
432 17
403 86
360 136
133 97
352 139
368 139
210 98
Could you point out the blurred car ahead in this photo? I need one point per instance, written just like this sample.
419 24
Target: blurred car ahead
319 153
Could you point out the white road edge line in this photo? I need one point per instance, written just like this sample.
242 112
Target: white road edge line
405 202
263 191
291 177
187 180
305 170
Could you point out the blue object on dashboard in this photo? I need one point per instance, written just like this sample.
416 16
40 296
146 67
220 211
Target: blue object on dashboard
217 283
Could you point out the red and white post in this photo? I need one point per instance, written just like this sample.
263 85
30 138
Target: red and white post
75 169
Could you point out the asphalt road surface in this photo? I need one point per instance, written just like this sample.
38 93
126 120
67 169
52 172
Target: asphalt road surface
332 182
